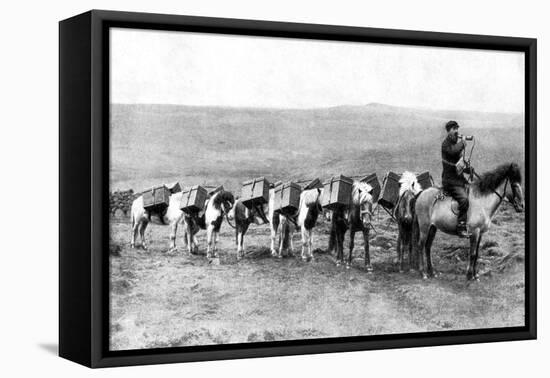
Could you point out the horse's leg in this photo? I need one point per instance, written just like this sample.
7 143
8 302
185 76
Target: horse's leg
189 235
429 240
309 234
195 244
142 228
476 275
209 231
367 250
339 247
475 238
413 248
331 239
238 236
421 246
274 227
291 244
400 249
412 261
173 230
135 230
305 242
351 244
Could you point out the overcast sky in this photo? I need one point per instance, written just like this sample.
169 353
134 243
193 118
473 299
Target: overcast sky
205 69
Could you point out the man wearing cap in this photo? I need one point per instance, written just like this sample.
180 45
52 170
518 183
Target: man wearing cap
453 181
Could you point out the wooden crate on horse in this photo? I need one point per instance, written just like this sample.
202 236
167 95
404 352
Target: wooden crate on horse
156 199
287 198
193 199
255 192
425 180
372 180
337 192
390 190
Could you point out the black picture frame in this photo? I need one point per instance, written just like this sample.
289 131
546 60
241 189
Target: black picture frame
84 163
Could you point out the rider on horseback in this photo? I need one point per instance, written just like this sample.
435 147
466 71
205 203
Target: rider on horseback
453 181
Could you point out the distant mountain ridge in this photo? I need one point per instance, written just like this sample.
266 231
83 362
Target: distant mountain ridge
151 143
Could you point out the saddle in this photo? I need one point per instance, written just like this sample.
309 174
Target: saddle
442 195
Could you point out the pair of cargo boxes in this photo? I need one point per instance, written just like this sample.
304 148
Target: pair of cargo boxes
390 189
286 199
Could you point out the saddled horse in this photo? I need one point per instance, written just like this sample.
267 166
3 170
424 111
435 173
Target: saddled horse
357 217
210 220
486 194
404 215
140 218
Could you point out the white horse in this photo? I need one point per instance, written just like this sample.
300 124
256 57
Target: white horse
308 213
357 217
211 220
140 218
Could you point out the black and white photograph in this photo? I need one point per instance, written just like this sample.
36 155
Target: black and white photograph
272 189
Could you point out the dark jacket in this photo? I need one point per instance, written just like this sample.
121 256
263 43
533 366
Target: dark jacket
450 155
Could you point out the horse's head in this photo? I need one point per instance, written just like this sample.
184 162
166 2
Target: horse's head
514 192
405 208
362 197
225 201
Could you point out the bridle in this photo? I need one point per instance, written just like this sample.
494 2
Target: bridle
227 215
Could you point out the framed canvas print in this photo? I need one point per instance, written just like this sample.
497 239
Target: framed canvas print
234 188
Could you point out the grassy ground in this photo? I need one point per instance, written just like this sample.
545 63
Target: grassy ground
164 300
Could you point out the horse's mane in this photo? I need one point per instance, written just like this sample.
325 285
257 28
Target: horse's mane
361 192
221 197
310 197
408 181
490 181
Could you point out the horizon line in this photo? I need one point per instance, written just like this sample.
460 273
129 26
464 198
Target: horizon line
421 108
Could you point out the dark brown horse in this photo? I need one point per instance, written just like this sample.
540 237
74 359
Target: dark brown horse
357 217
404 215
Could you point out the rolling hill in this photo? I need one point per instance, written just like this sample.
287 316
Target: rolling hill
152 144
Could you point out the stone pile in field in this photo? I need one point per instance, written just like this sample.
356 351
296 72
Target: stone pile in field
120 202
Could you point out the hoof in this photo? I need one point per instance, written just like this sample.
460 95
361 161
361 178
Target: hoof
338 263
412 270
304 258
424 276
401 271
311 259
369 268
348 266
279 256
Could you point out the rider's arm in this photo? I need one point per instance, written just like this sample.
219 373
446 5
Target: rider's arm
453 150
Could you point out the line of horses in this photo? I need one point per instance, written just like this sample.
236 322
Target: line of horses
419 214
